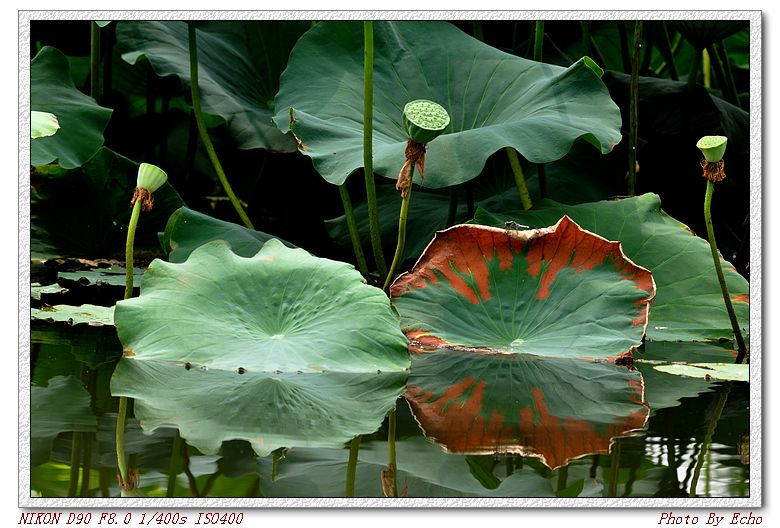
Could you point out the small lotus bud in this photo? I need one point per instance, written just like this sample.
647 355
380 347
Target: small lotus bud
425 120
712 147
150 177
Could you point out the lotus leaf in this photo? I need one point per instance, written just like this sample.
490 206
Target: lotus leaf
494 99
689 304
111 276
90 314
81 119
187 230
721 371
239 68
63 405
282 349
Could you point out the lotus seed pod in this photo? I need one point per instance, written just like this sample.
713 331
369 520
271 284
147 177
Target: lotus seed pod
150 177
425 120
712 147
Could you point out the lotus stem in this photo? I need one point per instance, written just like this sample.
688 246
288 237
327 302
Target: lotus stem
563 474
694 72
705 445
86 468
124 477
741 348
665 48
633 109
129 267
391 450
722 56
354 449
517 171
368 147
724 74
173 468
94 62
614 469
75 464
399 248
706 68
538 40
354 235
623 36
204 135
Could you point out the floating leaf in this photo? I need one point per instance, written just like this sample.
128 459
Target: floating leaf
558 291
239 66
689 303
282 349
187 230
721 371
494 100
111 276
64 405
556 409
81 119
37 291
90 314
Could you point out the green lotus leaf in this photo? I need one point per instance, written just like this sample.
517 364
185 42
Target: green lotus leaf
689 303
84 212
558 292
721 371
63 405
111 276
494 100
81 119
90 314
187 230
238 67
556 409
37 291
702 33
423 470
282 349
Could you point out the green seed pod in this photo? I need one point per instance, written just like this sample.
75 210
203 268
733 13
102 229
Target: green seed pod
712 147
150 177
425 120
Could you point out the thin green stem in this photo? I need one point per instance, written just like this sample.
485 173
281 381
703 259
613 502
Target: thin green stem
129 248
75 464
706 68
94 62
705 446
173 467
391 449
368 146
723 58
665 47
354 449
726 82
204 135
624 56
741 348
614 469
86 467
120 440
399 248
563 475
694 72
634 109
538 40
354 234
517 171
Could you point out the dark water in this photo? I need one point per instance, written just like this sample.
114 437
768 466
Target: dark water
690 445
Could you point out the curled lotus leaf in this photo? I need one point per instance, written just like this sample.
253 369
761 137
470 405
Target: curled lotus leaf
282 349
494 100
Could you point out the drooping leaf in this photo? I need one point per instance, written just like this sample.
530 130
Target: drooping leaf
494 100
689 303
239 66
84 212
721 371
558 291
554 408
61 406
187 230
282 349
90 314
81 119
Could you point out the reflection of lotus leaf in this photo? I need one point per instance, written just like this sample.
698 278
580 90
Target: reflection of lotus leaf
506 324
282 349
494 100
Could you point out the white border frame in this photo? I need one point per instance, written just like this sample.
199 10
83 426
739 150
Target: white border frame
756 126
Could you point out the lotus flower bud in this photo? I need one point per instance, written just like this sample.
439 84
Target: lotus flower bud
425 120
150 177
712 147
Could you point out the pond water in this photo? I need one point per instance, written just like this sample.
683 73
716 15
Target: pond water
693 443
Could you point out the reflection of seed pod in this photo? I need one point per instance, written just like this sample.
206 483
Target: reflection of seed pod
150 177
713 147
425 120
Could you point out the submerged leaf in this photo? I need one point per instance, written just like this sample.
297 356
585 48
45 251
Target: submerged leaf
282 349
494 100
